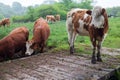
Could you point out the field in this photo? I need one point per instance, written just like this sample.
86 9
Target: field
58 38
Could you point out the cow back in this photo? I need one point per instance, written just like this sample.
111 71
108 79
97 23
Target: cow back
14 42
41 30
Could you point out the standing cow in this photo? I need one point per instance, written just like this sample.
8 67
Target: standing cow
57 17
41 33
13 43
5 22
50 18
88 23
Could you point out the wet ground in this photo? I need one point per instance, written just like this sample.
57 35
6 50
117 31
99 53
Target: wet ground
60 66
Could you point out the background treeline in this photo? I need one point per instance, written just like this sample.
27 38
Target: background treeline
115 11
18 13
7 11
51 9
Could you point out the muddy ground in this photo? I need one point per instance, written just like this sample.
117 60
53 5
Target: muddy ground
61 65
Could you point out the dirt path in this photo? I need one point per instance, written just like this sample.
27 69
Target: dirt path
59 66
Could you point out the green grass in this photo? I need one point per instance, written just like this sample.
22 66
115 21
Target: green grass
58 37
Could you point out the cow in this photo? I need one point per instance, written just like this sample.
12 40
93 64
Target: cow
88 23
50 18
14 42
5 22
57 17
41 33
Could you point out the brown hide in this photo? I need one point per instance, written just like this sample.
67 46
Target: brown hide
13 42
106 26
57 17
50 18
98 34
88 23
40 34
79 15
5 22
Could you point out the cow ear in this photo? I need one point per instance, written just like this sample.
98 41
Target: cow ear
103 10
89 12
73 14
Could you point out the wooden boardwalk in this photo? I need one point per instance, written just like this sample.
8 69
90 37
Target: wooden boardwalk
58 66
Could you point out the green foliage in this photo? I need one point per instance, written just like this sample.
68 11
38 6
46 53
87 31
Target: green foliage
58 29
61 8
115 11
113 38
118 74
85 4
58 39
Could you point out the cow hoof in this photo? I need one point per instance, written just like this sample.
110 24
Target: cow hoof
99 59
93 61
71 50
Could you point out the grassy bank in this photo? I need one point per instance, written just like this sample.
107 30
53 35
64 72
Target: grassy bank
58 37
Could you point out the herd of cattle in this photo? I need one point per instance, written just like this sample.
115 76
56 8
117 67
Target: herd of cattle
52 18
92 23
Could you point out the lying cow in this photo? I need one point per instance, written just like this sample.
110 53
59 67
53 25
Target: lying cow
5 22
13 43
41 33
50 18
88 23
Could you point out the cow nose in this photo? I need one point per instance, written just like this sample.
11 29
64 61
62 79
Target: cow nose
28 53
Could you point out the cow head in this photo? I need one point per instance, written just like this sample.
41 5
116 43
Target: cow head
98 17
31 47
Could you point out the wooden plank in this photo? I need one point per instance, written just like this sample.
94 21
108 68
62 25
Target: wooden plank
57 67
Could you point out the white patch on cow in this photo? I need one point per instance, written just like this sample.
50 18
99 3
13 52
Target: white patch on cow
104 37
29 51
69 28
73 39
85 16
69 14
98 21
82 31
97 17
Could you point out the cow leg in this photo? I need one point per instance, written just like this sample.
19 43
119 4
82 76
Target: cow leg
93 54
98 53
42 47
72 43
70 34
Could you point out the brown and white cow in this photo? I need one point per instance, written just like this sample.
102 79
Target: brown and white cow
5 22
57 17
50 18
41 33
14 42
88 23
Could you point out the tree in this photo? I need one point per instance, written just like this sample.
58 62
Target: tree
30 13
16 6
85 4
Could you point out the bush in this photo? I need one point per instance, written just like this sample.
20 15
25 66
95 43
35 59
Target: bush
60 8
